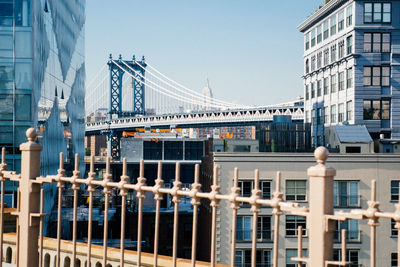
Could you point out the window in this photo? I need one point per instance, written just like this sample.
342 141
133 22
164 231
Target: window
345 194
376 75
307 116
292 253
333 25
312 90
333 83
312 63
377 42
307 93
319 116
243 258
349 16
349 43
352 232
296 190
351 255
326 56
349 76
173 150
394 230
326 29
246 186
319 87
307 66
394 259
341 81
313 116
394 190
319 60
377 109
307 41
349 110
293 223
319 34
333 114
377 13
326 114
341 20
312 38
326 85
341 112
244 228
341 49
333 53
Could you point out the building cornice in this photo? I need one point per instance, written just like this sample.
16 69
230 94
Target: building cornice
323 11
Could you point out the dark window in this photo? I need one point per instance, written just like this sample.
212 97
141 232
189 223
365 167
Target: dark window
352 231
394 190
326 86
352 256
377 109
307 66
173 150
377 75
349 74
333 53
394 230
307 41
307 93
349 43
353 149
341 81
152 150
319 87
346 194
394 259
193 150
377 13
312 90
293 223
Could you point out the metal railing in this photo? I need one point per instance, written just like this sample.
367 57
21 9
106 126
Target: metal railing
321 218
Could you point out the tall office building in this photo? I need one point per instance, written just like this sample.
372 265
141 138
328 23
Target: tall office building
42 76
351 67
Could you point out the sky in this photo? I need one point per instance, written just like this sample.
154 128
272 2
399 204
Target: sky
250 50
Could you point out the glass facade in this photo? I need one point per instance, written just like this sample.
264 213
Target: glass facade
42 79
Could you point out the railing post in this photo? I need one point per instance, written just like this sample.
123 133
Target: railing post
321 204
29 201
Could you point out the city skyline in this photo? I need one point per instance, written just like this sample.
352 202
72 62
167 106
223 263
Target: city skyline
231 43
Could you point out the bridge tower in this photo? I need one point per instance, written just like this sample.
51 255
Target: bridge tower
117 69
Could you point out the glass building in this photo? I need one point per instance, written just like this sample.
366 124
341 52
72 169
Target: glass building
42 78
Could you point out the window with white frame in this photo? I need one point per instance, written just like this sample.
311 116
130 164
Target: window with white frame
333 83
319 87
394 190
326 114
307 92
313 63
346 194
341 81
349 16
319 34
292 224
340 20
312 38
312 90
341 112
292 253
352 231
319 60
244 228
349 110
349 76
243 257
326 56
326 29
307 41
296 190
341 49
333 53
333 113
326 85
246 186
333 25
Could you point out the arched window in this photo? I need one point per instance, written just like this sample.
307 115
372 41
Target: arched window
77 263
47 260
8 255
98 264
67 262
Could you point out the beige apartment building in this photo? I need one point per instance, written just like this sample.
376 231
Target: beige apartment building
351 191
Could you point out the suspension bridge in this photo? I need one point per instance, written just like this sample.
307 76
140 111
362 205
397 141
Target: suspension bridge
137 95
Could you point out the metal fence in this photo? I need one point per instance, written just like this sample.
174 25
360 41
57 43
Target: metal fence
320 215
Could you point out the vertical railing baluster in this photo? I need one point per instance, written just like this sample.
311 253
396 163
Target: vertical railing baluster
214 205
398 232
41 227
343 252
176 199
195 202
255 209
277 198
158 197
60 186
18 228
75 187
3 167
235 192
90 189
141 181
107 191
299 244
373 221
123 193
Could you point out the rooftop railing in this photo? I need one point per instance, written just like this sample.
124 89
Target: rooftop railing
321 218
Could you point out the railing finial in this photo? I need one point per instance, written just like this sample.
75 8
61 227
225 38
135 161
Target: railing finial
31 135
321 155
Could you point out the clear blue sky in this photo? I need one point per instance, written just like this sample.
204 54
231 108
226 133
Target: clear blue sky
250 50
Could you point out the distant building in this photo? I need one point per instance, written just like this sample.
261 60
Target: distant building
207 97
351 67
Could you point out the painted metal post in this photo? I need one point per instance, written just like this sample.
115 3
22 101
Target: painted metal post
29 201
321 204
